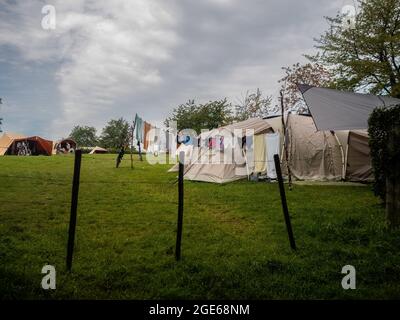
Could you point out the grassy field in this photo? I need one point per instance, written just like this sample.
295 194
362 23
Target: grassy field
234 243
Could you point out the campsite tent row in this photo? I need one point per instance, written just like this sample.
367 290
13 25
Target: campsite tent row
312 154
38 146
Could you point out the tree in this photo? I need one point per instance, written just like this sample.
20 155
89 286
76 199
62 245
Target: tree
313 74
254 105
84 136
115 134
364 55
183 115
210 115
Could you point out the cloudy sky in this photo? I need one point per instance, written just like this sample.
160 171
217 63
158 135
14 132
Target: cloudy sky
109 59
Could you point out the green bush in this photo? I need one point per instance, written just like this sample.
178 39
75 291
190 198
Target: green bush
384 142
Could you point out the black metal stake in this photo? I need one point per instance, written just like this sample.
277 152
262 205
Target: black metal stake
120 156
74 208
140 151
131 142
180 208
284 203
285 142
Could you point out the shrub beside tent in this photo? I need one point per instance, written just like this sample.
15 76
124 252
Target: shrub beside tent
384 129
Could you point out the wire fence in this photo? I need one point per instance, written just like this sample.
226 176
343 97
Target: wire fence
89 181
43 184
43 194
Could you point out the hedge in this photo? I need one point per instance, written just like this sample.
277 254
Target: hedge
384 142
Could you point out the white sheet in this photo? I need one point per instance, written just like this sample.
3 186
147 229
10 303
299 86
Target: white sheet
272 141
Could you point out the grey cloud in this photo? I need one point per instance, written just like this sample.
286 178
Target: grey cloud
251 38
161 53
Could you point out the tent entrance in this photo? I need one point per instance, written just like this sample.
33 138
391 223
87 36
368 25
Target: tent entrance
31 146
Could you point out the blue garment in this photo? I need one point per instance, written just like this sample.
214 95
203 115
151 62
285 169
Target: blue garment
186 140
139 128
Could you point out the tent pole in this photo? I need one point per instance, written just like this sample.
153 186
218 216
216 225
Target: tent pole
342 153
285 142
247 166
346 155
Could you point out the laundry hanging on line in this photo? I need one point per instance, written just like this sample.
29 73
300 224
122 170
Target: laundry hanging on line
139 130
147 128
150 142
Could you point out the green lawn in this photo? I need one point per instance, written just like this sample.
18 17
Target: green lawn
234 242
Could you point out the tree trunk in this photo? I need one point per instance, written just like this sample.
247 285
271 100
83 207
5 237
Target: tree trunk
393 202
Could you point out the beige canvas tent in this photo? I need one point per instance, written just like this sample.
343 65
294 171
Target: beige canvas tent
347 114
356 150
6 140
324 155
312 155
214 161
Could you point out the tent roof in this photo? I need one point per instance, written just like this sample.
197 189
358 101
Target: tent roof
46 146
13 135
259 125
340 110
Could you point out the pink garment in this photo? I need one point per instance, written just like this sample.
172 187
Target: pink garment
212 143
